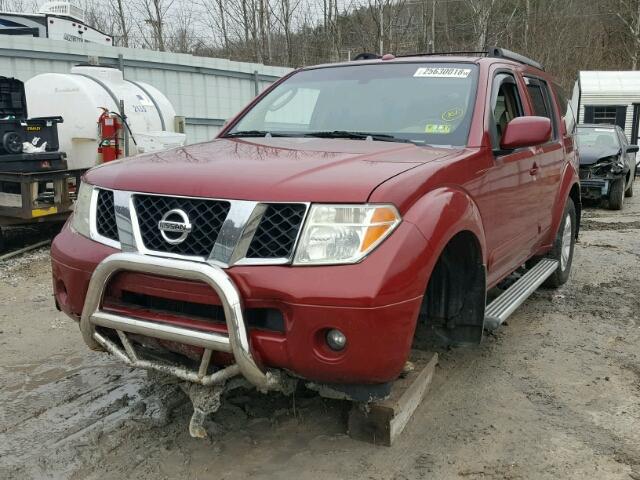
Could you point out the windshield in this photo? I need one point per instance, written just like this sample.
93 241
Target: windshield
597 137
424 103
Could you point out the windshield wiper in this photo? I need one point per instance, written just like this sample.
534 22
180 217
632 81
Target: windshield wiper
257 133
357 135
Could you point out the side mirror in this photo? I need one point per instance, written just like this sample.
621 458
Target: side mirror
633 149
526 132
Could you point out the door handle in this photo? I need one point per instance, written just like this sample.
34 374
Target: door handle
534 169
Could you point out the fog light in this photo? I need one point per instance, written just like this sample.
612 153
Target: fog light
336 340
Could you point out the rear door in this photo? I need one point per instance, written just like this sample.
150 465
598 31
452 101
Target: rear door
549 157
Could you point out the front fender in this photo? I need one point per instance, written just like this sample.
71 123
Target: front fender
441 214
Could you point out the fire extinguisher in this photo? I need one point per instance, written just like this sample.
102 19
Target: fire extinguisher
109 130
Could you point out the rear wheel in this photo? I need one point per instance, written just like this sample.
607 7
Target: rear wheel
563 247
616 194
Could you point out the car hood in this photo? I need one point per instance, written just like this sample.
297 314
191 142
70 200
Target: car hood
591 155
267 169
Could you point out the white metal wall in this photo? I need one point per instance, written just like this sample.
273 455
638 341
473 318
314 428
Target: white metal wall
206 91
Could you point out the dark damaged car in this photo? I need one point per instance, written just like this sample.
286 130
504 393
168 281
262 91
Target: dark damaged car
607 164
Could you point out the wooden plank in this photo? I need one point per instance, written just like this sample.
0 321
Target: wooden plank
383 421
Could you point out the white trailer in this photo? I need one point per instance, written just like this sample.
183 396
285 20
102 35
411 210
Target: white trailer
611 97
58 20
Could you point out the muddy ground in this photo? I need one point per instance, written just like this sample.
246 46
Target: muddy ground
554 394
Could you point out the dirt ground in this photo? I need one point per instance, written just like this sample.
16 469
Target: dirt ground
553 394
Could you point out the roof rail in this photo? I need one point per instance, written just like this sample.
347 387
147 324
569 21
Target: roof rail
516 57
438 54
494 52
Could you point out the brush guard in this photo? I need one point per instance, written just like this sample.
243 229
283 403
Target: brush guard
235 342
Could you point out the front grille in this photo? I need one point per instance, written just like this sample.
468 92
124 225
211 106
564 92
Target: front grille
206 217
277 232
106 215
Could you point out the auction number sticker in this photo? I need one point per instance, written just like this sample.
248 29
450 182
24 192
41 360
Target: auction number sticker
442 72
438 129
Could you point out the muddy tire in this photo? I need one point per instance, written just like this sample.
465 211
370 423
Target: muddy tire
563 247
616 194
629 192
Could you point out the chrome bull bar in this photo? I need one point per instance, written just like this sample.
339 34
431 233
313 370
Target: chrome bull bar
236 342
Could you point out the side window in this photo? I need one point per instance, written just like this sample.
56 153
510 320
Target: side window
623 138
541 101
505 105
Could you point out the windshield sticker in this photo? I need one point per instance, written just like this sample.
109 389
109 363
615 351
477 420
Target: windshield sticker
608 130
452 114
442 72
437 129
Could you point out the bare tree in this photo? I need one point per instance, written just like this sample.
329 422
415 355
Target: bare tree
122 14
481 10
628 11
154 14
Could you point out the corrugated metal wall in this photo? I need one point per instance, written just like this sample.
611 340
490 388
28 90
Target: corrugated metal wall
206 91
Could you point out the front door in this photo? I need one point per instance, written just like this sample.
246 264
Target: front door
509 194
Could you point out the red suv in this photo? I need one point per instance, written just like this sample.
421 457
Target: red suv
347 206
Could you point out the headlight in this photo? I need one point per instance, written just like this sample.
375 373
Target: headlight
80 221
335 234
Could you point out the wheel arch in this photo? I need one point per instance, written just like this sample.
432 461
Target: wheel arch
451 222
569 188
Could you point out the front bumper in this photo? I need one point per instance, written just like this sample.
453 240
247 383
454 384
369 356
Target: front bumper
595 188
374 303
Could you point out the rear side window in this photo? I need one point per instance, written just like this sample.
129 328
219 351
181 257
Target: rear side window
537 99
541 100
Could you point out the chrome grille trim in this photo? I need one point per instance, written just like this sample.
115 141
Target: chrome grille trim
231 246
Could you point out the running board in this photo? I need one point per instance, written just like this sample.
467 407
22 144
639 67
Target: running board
503 306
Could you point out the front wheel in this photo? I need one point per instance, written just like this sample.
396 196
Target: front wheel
616 194
563 247
629 192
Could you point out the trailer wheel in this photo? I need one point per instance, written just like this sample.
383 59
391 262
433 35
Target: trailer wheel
12 142
2 243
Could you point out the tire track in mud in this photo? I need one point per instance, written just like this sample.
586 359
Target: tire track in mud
589 224
51 419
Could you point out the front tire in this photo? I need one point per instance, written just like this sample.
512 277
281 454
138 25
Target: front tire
629 192
616 194
563 247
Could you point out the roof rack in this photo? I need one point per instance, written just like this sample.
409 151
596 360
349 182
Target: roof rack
516 57
494 52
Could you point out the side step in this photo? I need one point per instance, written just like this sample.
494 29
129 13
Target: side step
503 306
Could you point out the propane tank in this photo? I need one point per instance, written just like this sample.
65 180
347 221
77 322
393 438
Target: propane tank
109 132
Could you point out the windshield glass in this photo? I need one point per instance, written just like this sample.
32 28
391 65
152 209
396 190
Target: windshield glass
425 103
597 137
